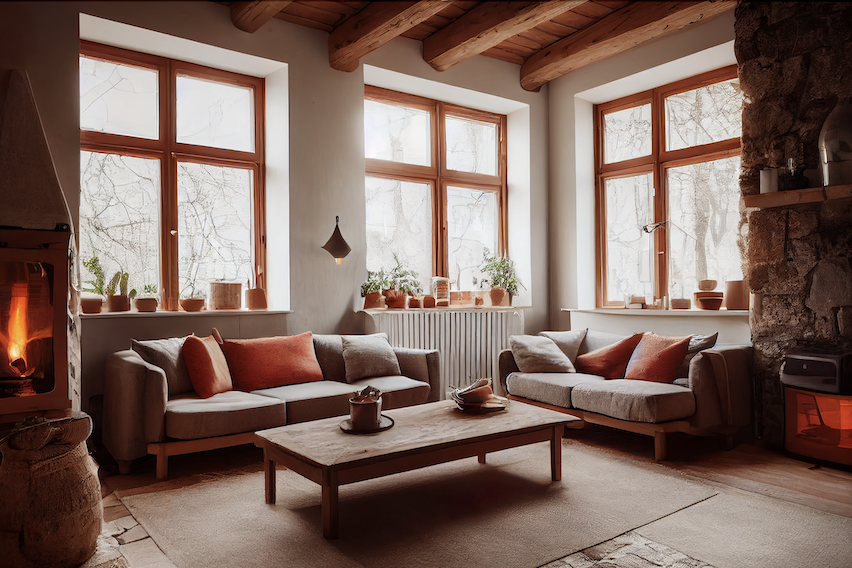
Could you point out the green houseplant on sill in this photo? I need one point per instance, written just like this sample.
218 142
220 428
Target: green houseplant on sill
118 298
92 299
147 300
192 300
501 276
401 283
371 289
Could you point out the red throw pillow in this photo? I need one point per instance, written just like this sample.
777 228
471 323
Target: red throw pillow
208 369
269 362
657 358
611 361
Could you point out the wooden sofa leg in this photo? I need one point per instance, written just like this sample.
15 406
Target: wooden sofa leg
124 466
162 459
659 446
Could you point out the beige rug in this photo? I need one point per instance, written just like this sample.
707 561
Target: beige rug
504 513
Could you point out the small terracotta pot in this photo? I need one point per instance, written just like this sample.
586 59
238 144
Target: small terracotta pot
396 299
373 300
256 298
146 304
91 305
414 302
365 412
118 303
497 295
736 295
428 301
192 304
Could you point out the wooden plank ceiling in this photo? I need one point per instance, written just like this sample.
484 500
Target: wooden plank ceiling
548 38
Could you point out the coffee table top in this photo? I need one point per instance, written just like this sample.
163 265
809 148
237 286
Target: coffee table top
416 427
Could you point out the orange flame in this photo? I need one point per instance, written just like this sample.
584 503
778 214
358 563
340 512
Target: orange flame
18 333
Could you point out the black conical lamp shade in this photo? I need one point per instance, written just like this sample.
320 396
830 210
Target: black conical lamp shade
337 245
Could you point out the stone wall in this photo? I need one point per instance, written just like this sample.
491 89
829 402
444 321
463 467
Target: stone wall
795 66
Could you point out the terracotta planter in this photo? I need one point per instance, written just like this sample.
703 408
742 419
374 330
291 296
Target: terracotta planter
373 300
736 295
118 303
256 298
396 299
498 296
146 304
428 301
91 305
192 304
414 302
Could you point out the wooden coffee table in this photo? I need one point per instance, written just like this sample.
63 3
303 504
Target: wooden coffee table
423 435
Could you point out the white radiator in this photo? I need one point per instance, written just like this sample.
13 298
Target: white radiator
469 341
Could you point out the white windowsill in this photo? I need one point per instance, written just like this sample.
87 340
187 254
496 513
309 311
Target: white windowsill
164 313
663 313
459 308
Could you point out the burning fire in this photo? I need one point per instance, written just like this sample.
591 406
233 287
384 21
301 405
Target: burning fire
18 336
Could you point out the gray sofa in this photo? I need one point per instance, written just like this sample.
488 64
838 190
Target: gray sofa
146 411
712 398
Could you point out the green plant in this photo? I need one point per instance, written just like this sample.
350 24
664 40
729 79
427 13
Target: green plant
149 291
375 282
96 286
402 278
118 283
501 272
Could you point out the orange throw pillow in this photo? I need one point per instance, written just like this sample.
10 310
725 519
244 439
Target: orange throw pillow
609 362
657 358
208 369
269 362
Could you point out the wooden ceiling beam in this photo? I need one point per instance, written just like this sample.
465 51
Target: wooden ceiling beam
374 26
486 26
249 16
624 29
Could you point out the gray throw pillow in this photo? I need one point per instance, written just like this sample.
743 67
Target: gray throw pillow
166 354
366 356
537 354
696 343
568 341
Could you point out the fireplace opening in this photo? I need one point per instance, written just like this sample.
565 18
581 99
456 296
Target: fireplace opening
26 328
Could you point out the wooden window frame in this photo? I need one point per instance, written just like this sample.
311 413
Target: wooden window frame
437 176
657 163
170 153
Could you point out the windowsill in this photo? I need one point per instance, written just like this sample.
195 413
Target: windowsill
454 308
663 313
164 313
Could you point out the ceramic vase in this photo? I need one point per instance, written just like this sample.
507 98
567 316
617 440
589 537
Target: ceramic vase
736 295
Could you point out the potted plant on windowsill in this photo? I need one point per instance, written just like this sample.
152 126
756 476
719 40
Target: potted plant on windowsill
92 298
501 276
372 288
192 301
402 282
147 300
119 302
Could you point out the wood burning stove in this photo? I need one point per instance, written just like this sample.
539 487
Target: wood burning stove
34 287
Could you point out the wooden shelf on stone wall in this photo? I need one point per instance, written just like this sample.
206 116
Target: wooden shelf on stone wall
798 196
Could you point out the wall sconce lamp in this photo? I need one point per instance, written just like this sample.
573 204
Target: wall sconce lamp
337 245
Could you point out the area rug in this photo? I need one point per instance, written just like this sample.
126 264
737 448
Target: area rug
504 513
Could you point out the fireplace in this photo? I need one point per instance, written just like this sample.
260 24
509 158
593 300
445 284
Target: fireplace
34 269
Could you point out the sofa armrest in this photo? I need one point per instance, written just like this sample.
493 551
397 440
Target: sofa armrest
720 379
134 414
506 365
422 365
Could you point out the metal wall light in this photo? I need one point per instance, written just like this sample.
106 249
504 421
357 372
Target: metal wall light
337 245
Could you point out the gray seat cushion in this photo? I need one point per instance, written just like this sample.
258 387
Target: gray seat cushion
314 400
189 417
550 388
634 400
397 391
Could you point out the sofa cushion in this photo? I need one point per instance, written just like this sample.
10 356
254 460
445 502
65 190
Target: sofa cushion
397 391
609 362
329 350
537 354
208 369
636 401
166 354
595 339
550 388
271 361
697 343
368 356
312 401
657 358
568 341
189 417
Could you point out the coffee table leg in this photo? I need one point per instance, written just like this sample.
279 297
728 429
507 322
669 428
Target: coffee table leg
556 452
481 458
330 515
269 478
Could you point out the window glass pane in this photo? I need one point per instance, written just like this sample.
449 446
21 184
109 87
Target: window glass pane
471 146
701 116
627 134
215 114
704 219
399 221
119 217
118 99
629 250
214 226
397 133
472 224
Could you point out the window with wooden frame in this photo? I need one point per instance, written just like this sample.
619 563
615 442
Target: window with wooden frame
172 173
667 189
435 186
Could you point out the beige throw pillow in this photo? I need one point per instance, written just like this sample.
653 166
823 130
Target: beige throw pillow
166 354
537 354
568 341
697 343
366 356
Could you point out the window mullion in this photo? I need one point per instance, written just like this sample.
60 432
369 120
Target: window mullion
440 261
660 213
169 224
